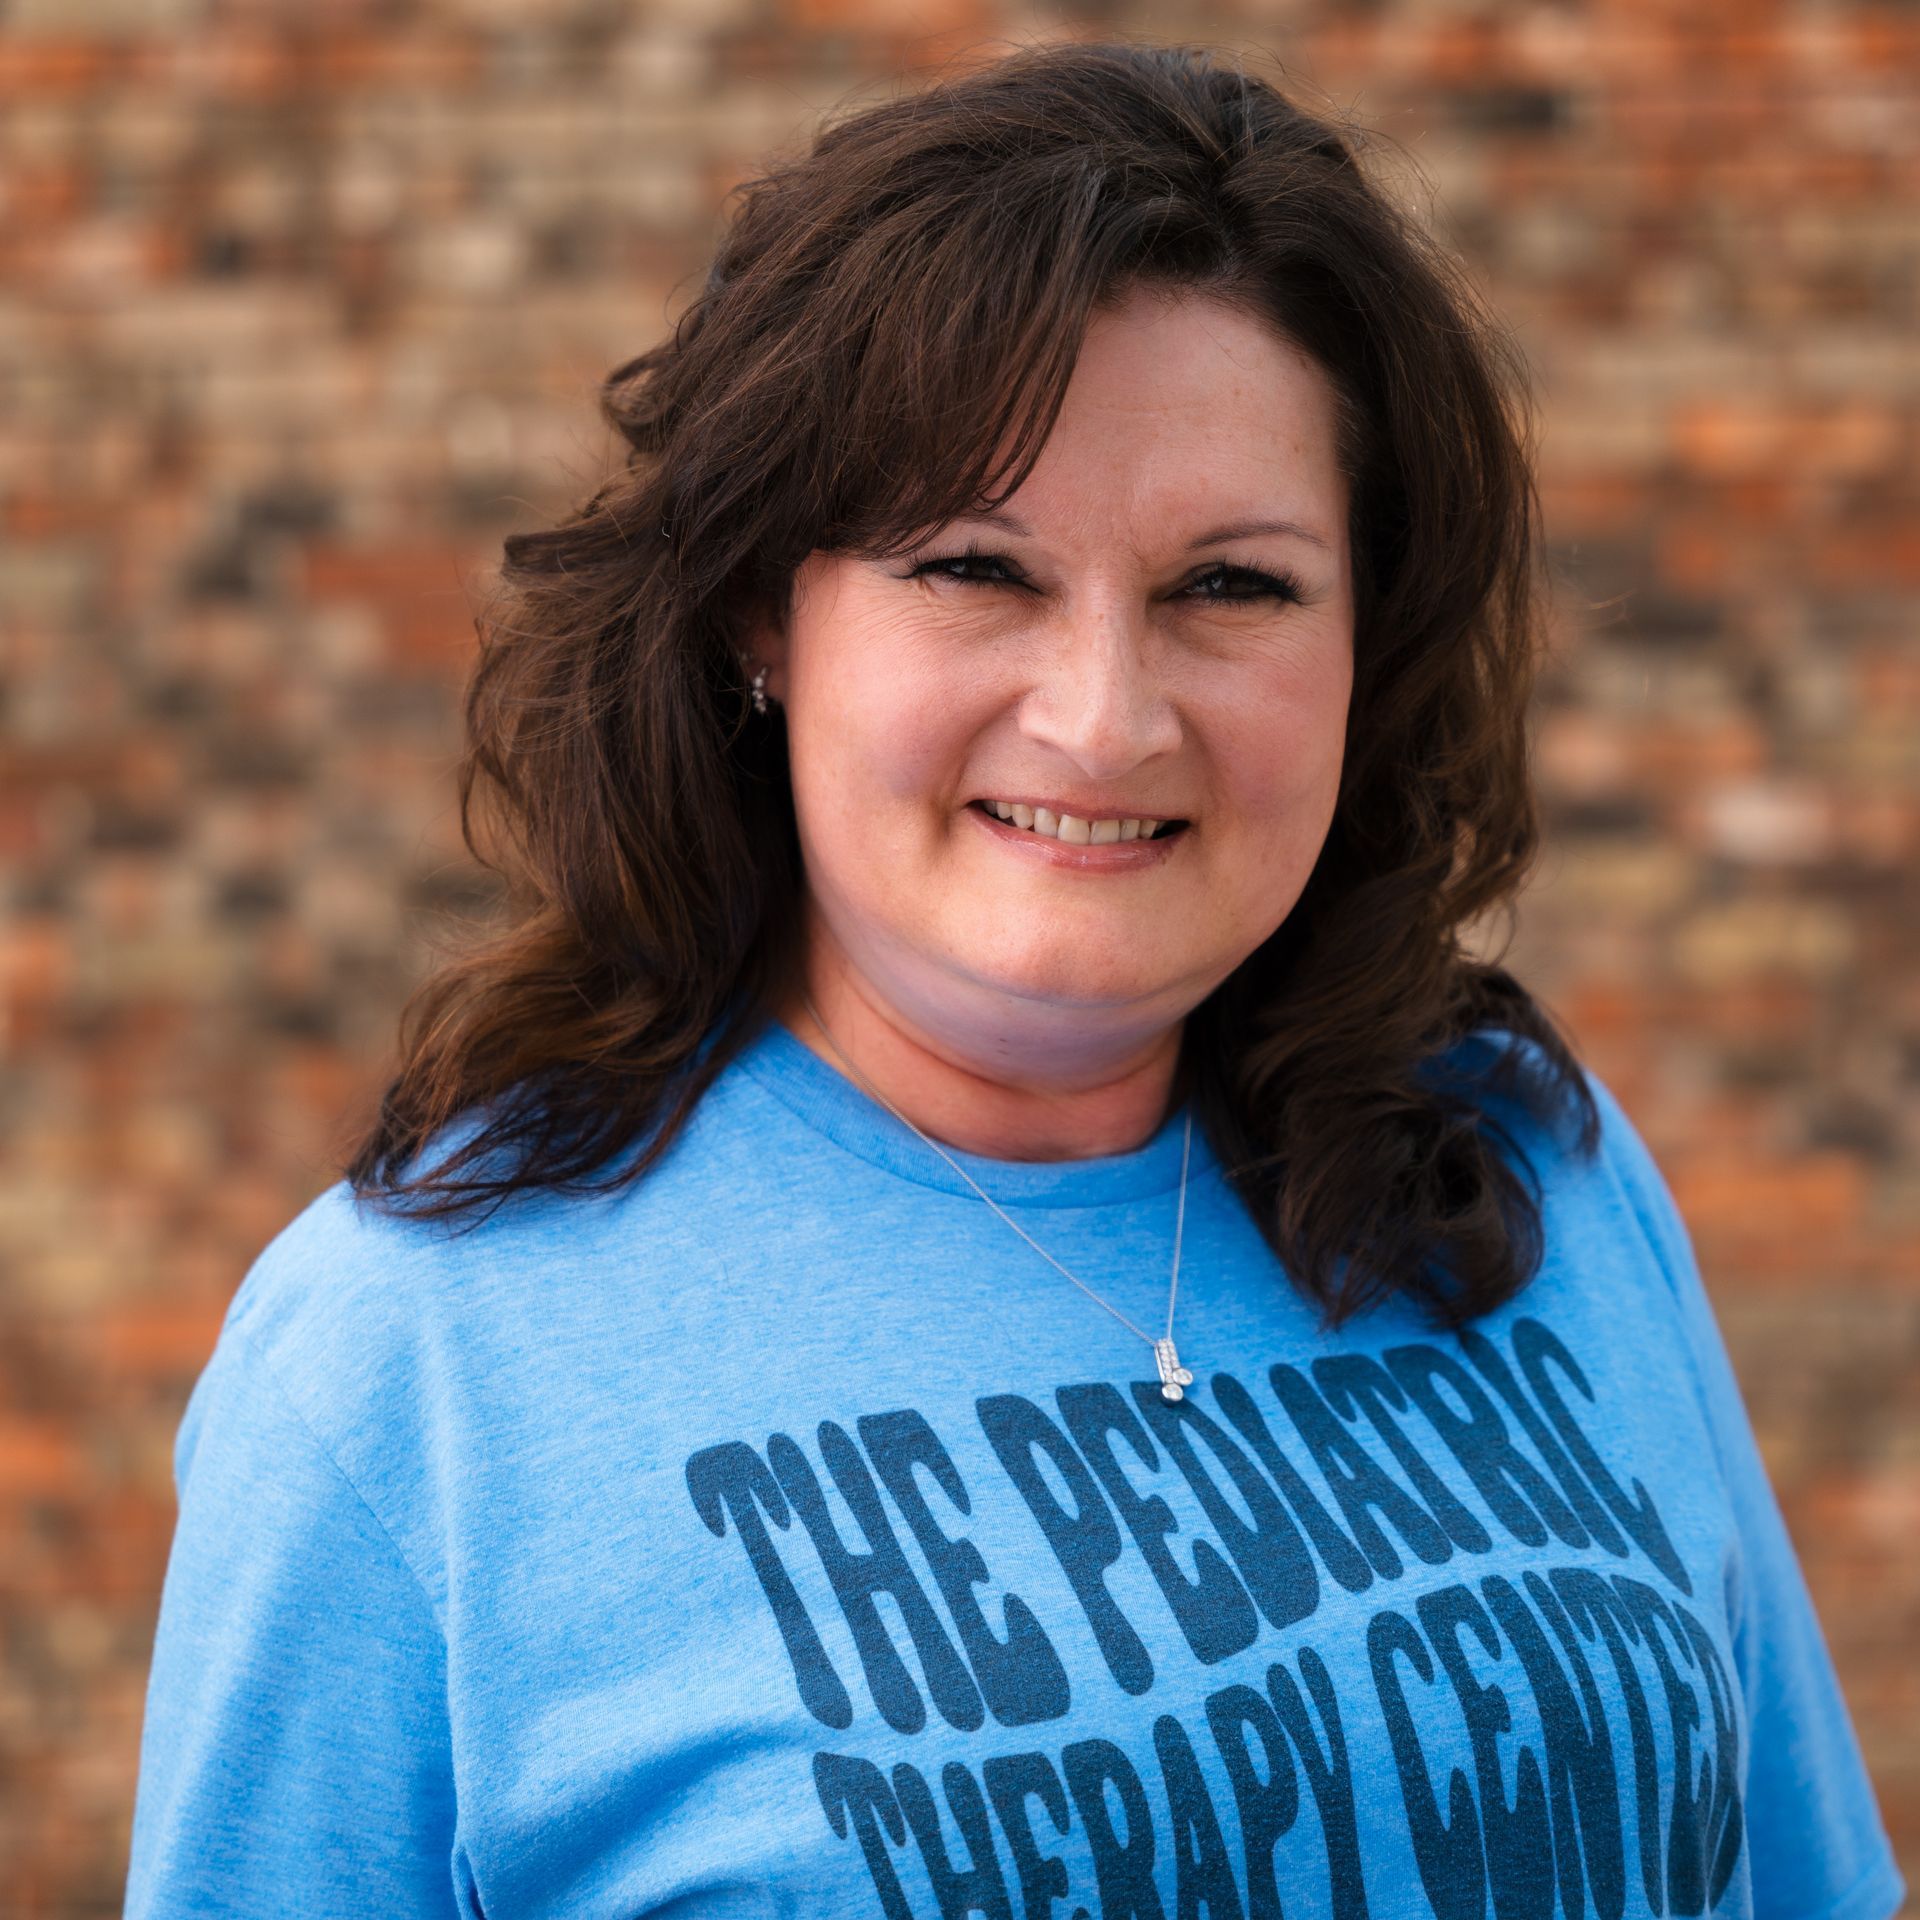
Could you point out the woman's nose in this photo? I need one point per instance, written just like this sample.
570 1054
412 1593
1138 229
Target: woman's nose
1099 695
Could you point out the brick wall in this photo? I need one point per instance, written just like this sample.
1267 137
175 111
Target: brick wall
302 309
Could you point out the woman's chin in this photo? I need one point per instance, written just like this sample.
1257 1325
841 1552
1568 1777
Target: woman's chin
1072 986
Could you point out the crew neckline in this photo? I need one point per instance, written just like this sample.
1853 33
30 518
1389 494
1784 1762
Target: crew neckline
829 1102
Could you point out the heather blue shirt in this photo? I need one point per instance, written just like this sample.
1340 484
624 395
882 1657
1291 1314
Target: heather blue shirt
785 1537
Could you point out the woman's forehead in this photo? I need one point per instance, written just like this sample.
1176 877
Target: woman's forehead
1221 445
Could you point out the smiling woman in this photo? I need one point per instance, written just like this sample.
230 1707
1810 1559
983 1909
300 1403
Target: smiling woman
992 794
1157 627
1087 434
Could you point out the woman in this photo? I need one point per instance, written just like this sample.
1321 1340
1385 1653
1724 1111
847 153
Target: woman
978 1308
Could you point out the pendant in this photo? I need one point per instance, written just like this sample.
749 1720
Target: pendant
1174 1378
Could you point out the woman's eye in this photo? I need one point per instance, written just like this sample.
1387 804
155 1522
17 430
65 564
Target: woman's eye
962 565
1217 584
1247 583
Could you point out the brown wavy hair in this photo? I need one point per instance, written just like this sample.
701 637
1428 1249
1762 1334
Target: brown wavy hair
883 343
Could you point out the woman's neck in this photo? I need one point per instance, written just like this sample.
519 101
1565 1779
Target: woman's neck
1030 1089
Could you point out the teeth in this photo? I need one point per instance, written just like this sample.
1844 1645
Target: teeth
1070 828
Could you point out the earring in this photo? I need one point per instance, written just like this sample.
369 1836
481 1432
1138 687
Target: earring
759 685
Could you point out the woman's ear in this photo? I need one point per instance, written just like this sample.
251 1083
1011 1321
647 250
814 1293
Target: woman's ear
763 643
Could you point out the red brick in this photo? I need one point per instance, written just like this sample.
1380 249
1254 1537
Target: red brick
241 589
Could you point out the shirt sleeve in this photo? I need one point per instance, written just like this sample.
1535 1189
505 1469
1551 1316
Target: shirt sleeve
295 1757
1817 1847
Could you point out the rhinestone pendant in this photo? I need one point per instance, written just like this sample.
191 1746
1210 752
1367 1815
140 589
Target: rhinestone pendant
1174 1378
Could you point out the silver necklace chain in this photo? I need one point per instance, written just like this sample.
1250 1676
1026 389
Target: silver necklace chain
1174 1378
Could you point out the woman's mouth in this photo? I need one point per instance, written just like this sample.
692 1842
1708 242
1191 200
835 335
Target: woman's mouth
1074 830
1116 843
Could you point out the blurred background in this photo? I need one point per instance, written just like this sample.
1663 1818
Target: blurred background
303 308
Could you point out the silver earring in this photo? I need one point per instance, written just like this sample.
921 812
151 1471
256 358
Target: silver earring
759 685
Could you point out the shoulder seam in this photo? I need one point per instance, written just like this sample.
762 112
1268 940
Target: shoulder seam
1627 1188
1614 1114
277 1250
271 1374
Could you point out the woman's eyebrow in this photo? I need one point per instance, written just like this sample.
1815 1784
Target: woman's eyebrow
1247 529
1011 522
1239 530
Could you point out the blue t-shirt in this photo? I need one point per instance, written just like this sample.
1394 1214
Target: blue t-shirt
784 1536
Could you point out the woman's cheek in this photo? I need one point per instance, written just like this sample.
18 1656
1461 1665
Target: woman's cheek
1301 736
1278 766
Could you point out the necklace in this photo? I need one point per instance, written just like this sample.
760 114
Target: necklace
1174 1378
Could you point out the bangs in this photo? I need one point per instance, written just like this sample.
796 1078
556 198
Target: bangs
951 327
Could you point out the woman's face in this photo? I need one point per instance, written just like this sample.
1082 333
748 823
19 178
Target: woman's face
1156 625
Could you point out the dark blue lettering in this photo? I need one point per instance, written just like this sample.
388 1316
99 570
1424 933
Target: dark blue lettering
958 1890
1085 1541
853 1788
1122 1868
856 1577
1493 1368
1579 1747
1535 1347
1212 1607
1341 1558
1688 1840
732 1479
1447 1852
1356 1382
1268 1807
1272 1558
1329 1775
1725 1823
1594 1608
1520 1495
1203 1873
1518 1844
1358 1481
1021 1676
1011 1782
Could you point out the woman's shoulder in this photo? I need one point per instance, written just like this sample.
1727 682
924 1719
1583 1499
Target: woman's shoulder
338 1257
358 1280
1606 1181
1512 1076
340 1314
362 1294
